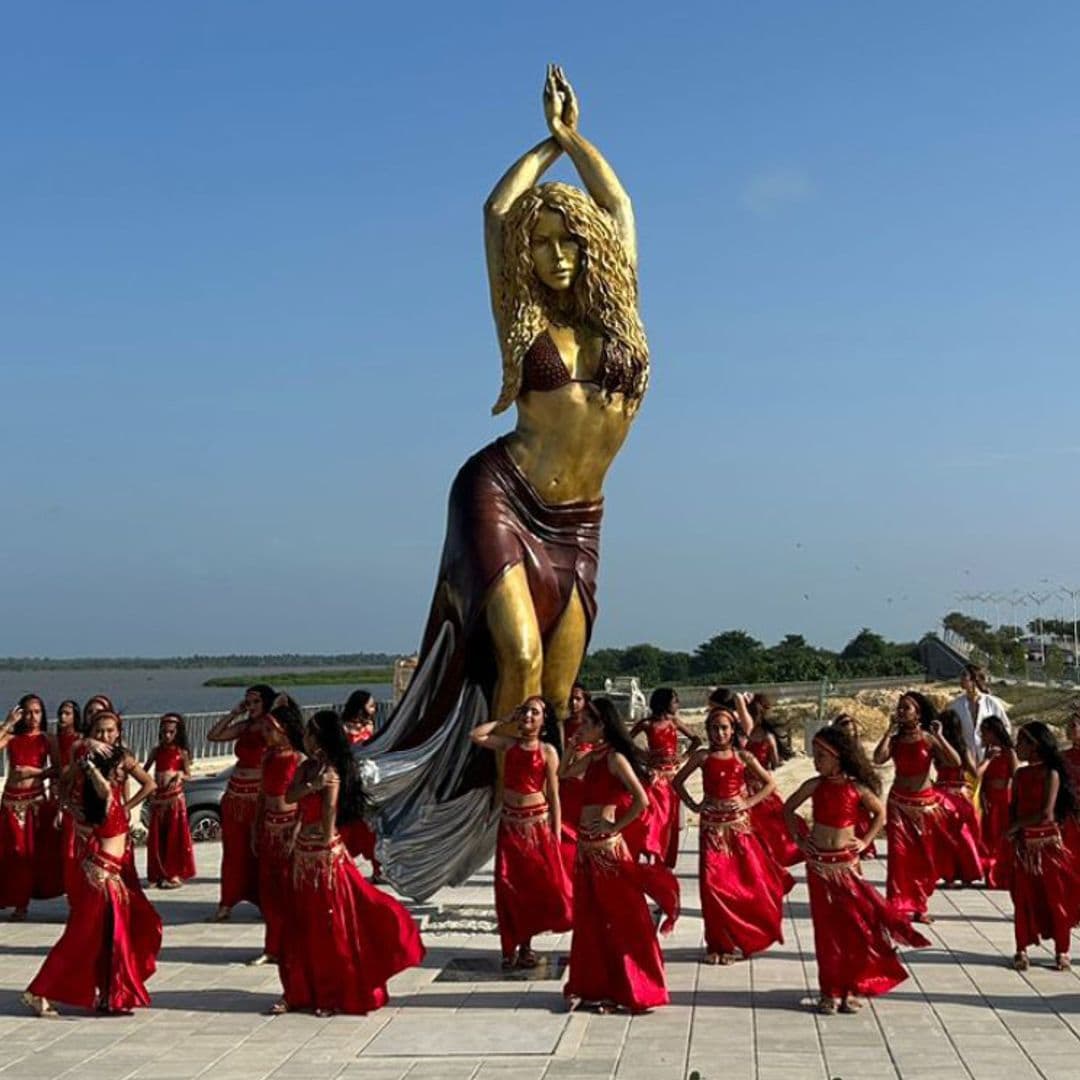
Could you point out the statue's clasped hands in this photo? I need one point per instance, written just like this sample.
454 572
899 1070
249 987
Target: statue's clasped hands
560 102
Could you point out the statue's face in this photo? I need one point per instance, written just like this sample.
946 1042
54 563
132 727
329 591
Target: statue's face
556 254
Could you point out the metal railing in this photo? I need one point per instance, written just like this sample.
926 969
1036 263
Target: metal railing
695 697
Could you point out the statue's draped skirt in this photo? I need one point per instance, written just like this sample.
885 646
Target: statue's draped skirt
437 819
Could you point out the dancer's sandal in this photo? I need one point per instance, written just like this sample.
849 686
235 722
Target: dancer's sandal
322 1014
279 1008
526 958
727 959
851 1005
509 963
606 1008
1062 962
712 959
39 1006
1020 962
826 1006
223 914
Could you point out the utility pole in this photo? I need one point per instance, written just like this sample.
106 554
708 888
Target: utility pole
1073 594
1040 599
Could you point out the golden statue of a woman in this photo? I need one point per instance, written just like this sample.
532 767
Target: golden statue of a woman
515 600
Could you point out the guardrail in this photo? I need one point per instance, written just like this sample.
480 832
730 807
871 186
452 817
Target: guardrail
695 697
141 730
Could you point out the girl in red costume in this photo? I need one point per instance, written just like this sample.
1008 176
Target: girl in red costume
854 926
69 733
850 727
1045 879
358 719
742 886
532 889
615 959
570 787
239 860
110 943
29 844
951 781
922 845
996 771
275 819
1070 829
656 833
170 860
346 938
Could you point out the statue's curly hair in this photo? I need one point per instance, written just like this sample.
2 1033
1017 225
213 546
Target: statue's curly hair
603 298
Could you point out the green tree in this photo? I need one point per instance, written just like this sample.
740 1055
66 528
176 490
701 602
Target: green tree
727 657
1054 668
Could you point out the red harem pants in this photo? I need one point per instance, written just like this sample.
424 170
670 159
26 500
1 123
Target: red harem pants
532 887
854 928
742 886
658 830
969 857
239 863
1045 888
917 831
29 849
614 954
109 946
275 855
359 839
169 854
994 825
346 938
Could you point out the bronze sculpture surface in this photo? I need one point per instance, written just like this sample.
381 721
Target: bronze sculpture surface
515 599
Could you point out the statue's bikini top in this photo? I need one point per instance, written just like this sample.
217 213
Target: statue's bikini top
543 368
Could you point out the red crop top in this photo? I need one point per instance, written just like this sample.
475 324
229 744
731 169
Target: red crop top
601 788
1029 789
29 751
761 749
250 747
524 770
663 739
950 774
169 759
116 821
311 808
912 758
278 769
836 804
998 767
723 778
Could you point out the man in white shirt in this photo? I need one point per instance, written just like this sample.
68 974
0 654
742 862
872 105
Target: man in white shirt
974 704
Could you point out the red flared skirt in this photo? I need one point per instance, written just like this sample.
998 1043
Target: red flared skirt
742 886
359 839
767 820
614 953
109 946
992 829
921 848
346 938
854 928
275 864
169 853
239 862
968 860
30 866
1045 888
532 888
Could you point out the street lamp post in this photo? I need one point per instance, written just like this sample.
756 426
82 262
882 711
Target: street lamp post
1074 594
1040 599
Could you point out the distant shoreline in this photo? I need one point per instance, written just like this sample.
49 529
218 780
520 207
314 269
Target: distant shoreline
248 661
345 676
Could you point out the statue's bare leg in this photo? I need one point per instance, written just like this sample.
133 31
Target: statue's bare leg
515 634
563 655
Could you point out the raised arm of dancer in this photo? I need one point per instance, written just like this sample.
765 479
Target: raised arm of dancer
883 750
100 784
944 751
794 801
147 786
692 737
231 725
483 735
742 709
331 791
678 781
7 728
752 764
596 174
309 776
575 761
551 781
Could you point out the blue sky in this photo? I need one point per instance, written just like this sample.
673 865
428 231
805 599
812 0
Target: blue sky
245 339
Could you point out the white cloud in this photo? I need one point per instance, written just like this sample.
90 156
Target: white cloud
766 193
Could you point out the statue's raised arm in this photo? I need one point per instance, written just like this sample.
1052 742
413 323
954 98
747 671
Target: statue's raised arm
515 599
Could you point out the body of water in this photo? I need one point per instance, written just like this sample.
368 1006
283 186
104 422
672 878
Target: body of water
158 690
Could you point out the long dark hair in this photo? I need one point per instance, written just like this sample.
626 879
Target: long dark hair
927 712
355 706
953 732
22 726
181 739
291 718
265 692
996 726
616 735
1047 751
723 697
328 731
661 700
854 763
759 707
107 762
89 711
76 723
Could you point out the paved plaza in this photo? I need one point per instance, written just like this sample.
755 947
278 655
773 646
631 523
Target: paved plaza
963 1013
